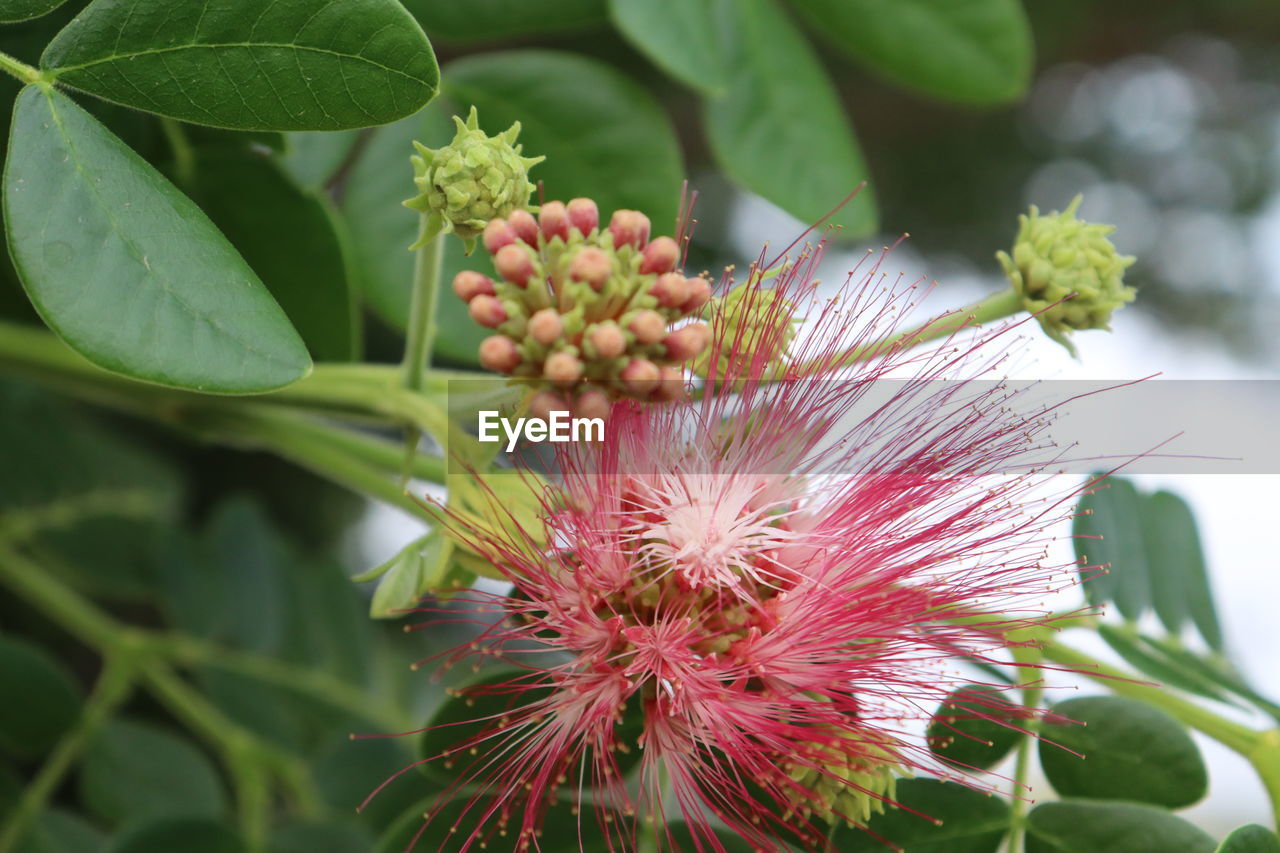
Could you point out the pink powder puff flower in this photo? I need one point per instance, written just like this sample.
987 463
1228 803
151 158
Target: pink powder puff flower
777 576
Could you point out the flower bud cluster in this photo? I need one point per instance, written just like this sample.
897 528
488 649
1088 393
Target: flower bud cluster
851 785
585 309
471 180
1067 272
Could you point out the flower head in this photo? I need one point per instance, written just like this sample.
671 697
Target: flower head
473 179
585 312
1067 271
758 591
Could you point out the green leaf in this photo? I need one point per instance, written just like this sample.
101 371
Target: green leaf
779 129
978 51
290 238
967 728
248 65
603 136
562 830
956 819
1088 827
678 36
317 837
346 771
25 10
1250 839
59 831
1122 749
126 269
190 835
314 158
43 700
495 19
134 771
1152 661
1179 580
1109 533
418 567
10 789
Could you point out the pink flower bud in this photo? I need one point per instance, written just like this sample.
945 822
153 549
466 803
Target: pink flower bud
554 220
699 294
514 264
592 403
607 340
661 255
546 327
671 289
469 284
640 376
546 402
563 368
671 384
591 265
648 327
686 342
629 228
583 215
525 226
498 233
499 354
487 311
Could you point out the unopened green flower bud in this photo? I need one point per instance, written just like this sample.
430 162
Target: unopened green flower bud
473 179
1067 272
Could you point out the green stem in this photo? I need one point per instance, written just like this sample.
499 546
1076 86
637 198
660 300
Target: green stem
113 687
1022 767
422 308
21 70
995 307
184 155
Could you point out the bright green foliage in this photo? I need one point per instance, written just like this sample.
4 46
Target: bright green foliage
679 36
974 727
248 65
1112 748
93 229
1250 839
779 101
1089 827
937 817
978 51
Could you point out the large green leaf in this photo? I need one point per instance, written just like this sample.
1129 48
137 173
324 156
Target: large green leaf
494 19
59 830
974 727
246 64
603 136
291 240
23 10
1108 532
190 835
1179 580
1250 839
321 837
1091 827
779 129
937 817
42 700
134 771
562 830
976 51
1121 749
126 269
679 36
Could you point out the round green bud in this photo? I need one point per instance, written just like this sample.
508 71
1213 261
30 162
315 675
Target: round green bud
847 788
473 179
1067 272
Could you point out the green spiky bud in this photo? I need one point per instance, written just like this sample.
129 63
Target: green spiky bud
856 781
751 322
473 179
1067 272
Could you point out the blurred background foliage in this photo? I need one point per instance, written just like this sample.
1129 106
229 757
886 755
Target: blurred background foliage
1165 116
